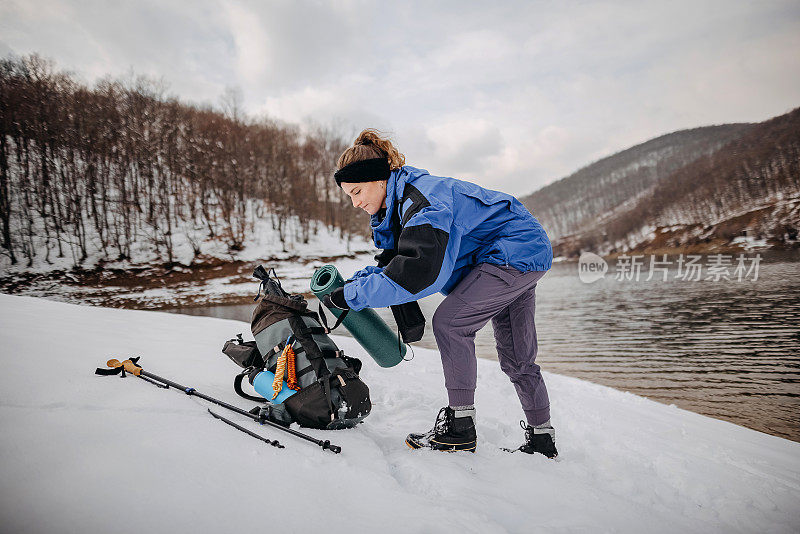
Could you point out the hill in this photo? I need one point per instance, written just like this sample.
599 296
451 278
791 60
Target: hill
702 189
122 171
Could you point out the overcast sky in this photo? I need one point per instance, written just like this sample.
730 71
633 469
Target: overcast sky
510 95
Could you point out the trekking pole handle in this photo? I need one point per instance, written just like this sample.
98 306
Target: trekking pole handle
127 364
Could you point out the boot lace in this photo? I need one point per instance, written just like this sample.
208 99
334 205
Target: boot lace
442 424
528 431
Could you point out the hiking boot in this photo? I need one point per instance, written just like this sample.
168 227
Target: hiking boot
540 438
454 430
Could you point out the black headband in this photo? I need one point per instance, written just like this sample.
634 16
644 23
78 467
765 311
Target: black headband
366 170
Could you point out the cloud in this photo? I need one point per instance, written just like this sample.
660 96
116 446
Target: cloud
511 95
253 45
5 50
463 145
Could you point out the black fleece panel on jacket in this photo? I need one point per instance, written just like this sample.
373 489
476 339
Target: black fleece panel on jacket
385 256
420 254
418 202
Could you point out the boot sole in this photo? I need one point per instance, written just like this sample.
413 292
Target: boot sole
454 448
531 453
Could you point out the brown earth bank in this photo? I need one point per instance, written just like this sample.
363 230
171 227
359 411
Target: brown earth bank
131 287
661 245
675 240
772 227
715 245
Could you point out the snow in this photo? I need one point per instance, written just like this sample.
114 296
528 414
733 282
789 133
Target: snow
750 243
85 453
294 267
262 241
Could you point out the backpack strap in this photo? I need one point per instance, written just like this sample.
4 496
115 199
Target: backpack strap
324 320
237 386
302 333
317 330
326 384
277 349
330 353
304 371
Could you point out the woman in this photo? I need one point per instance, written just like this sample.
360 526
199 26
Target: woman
482 249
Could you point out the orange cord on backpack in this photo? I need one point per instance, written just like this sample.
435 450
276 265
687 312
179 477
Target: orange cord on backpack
291 381
286 357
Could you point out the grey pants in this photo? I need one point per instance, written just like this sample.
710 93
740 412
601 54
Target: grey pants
507 297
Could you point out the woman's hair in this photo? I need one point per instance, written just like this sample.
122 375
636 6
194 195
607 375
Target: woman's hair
368 145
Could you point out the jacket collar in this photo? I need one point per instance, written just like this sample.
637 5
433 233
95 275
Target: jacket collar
381 222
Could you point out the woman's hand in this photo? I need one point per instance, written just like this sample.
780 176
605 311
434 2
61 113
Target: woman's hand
335 299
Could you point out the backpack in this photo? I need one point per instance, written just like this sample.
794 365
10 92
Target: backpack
319 386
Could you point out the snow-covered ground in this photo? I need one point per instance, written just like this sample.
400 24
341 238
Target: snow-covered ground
84 453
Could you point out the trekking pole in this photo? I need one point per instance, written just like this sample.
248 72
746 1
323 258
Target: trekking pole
132 367
227 421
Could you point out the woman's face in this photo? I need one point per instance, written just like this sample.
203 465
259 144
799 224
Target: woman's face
369 196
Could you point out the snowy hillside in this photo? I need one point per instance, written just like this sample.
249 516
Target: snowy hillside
615 183
219 277
83 453
262 242
702 190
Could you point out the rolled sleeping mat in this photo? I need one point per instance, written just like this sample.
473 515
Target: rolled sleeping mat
366 326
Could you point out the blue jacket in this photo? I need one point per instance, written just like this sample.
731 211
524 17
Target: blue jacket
435 230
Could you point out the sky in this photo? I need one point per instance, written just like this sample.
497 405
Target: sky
509 95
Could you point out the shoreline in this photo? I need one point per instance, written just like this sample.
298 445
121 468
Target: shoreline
213 281
210 281
217 282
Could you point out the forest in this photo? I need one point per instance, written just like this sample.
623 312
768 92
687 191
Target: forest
717 183
123 162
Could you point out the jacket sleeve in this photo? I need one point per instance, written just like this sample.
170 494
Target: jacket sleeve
366 271
426 254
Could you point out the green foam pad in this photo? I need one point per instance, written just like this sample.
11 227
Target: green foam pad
366 326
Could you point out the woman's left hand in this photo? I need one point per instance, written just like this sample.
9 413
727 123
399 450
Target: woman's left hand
335 299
